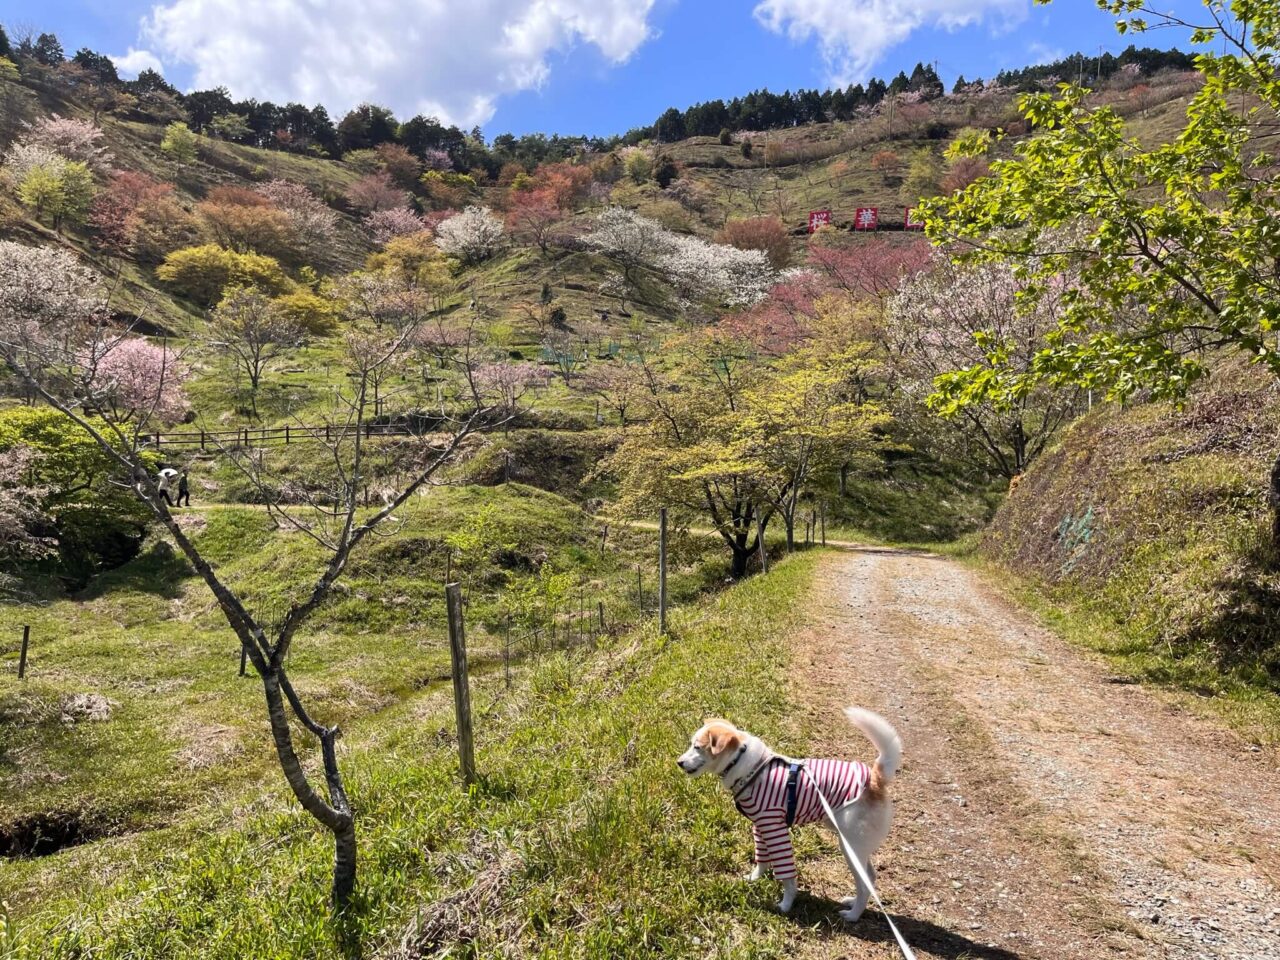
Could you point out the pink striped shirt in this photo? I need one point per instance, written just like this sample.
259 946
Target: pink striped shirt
764 803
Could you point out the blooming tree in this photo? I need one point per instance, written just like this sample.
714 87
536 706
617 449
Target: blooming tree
313 222
75 140
250 328
472 236
119 207
138 380
23 521
376 191
946 319
502 384
532 216
386 225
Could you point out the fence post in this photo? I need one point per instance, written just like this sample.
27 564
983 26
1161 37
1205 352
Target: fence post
22 657
824 523
600 605
813 526
461 688
639 591
202 441
286 434
244 655
764 554
506 652
662 570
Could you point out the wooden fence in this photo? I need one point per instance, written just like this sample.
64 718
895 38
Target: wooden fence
249 437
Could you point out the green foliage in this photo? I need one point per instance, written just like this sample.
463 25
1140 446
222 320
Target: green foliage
1183 230
204 272
639 166
99 520
61 191
179 144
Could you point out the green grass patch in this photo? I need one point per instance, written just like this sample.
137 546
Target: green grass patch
582 840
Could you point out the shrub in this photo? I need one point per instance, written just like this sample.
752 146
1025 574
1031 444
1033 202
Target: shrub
726 137
638 165
203 272
665 171
759 233
746 149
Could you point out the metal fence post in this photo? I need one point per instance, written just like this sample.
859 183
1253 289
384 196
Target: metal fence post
22 657
461 687
244 655
662 570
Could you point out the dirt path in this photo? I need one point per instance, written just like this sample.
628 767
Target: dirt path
1042 812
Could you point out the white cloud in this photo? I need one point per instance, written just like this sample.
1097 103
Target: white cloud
451 58
135 61
1042 53
853 34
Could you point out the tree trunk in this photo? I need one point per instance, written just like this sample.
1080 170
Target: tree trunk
790 518
738 569
1273 501
844 479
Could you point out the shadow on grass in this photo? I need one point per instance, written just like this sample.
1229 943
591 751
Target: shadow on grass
819 915
1243 635
158 570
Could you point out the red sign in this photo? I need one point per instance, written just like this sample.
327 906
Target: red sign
819 218
913 220
866 218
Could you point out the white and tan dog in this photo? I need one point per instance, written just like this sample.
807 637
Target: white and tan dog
775 794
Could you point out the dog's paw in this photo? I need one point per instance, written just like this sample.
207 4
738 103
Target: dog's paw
757 873
854 911
784 905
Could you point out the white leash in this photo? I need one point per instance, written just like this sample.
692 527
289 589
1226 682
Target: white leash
856 866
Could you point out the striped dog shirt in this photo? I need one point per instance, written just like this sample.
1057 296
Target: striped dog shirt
764 803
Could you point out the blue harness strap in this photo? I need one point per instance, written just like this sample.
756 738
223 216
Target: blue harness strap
793 786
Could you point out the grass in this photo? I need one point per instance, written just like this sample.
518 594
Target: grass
148 638
582 839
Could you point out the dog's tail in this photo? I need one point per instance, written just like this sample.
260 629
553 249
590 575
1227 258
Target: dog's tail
885 739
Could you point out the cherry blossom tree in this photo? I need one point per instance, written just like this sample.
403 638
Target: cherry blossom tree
22 516
472 236
503 384
376 191
117 209
314 223
870 271
532 216
137 380
946 319
386 225
76 140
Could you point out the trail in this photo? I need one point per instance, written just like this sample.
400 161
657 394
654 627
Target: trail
1043 811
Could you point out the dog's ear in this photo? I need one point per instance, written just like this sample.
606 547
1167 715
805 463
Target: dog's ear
721 738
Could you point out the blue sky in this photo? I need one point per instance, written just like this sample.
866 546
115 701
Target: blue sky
567 66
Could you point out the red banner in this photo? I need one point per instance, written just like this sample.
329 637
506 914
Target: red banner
866 218
818 219
913 220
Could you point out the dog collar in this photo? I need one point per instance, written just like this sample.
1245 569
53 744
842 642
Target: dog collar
740 784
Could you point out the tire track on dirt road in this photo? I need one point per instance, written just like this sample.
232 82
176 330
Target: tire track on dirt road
1042 812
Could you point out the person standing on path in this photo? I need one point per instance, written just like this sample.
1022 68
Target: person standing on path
165 486
184 489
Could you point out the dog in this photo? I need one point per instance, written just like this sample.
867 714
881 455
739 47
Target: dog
771 791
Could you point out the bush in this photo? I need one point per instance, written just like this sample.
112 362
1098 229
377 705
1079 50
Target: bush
98 523
746 149
726 137
203 272
759 233
665 171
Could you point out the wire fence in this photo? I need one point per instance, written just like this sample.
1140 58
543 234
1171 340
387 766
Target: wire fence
413 425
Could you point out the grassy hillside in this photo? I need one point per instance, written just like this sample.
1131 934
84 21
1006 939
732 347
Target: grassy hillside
565 848
1150 525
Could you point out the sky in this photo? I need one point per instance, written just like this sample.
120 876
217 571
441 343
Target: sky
593 67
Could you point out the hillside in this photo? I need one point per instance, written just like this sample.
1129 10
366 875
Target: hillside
1151 525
